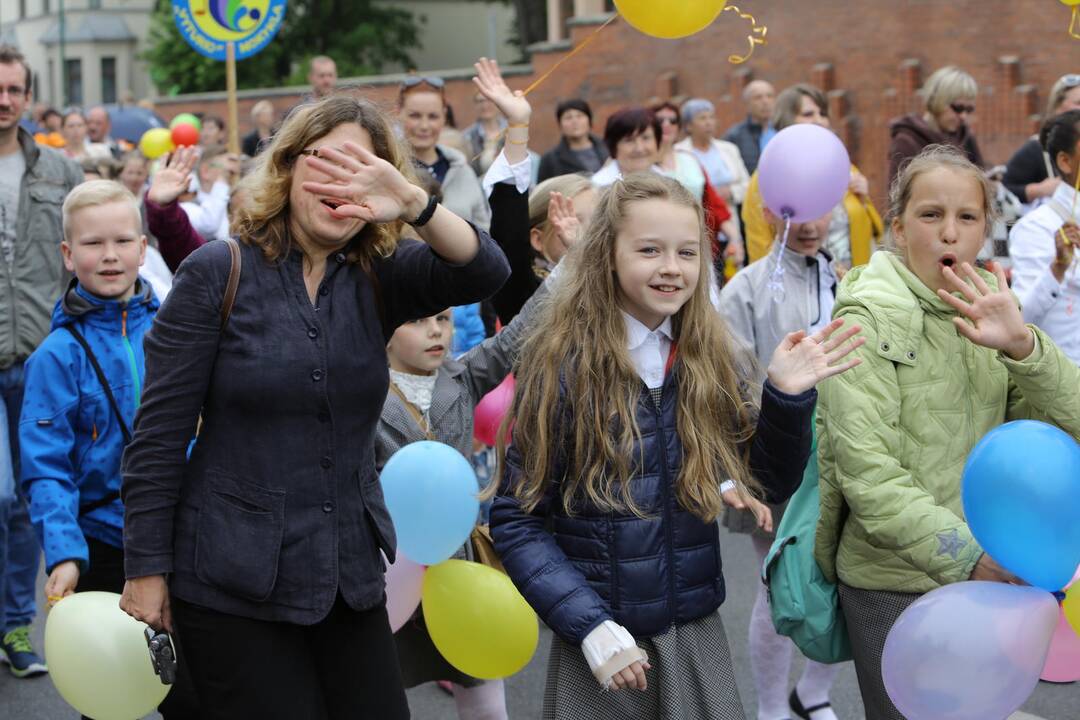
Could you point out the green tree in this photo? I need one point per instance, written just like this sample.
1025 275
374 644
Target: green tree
361 36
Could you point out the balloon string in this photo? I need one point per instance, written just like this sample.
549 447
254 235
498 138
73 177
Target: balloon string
581 46
536 83
1074 24
776 278
755 30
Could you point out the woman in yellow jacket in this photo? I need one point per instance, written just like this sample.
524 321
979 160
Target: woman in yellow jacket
856 228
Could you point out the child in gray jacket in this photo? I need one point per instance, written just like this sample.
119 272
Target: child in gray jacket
792 288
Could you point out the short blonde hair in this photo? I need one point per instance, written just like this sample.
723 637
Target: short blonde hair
946 86
1061 88
260 107
94 193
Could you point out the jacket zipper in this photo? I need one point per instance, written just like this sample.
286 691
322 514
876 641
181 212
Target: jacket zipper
668 519
131 357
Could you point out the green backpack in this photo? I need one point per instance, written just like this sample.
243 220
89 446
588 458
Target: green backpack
805 606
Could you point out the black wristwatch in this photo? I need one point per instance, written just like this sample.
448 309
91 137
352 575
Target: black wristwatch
426 213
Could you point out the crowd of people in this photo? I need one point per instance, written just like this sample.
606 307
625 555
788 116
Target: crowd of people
206 360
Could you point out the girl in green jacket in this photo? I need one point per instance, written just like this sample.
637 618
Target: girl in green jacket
947 358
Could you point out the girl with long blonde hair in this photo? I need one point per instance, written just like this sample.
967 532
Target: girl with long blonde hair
631 411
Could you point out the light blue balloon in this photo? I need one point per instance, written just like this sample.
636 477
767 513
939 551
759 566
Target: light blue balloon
430 491
1021 495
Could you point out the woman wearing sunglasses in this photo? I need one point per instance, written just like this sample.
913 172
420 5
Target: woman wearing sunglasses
1029 174
949 95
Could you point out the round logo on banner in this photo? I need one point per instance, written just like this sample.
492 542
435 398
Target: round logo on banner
208 25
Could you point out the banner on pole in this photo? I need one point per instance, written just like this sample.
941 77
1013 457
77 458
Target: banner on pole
208 25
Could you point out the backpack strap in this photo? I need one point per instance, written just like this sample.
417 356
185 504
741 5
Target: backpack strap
1061 210
235 265
111 497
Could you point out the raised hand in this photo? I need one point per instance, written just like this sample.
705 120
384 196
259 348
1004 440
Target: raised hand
511 103
802 361
172 180
563 220
1065 241
369 187
990 318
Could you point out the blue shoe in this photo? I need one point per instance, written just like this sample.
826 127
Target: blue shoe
18 653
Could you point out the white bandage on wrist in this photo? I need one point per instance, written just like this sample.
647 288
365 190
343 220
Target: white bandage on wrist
608 649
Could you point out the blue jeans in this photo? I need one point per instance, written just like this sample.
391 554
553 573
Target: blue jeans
20 553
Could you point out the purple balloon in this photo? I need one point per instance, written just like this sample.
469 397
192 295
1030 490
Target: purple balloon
969 651
804 172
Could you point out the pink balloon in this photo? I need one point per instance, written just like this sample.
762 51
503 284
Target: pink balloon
804 172
1063 662
968 651
404 584
491 410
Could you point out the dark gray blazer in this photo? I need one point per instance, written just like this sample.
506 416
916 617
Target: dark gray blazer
279 507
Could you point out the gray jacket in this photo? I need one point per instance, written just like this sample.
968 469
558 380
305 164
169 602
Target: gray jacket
459 385
761 315
36 278
461 191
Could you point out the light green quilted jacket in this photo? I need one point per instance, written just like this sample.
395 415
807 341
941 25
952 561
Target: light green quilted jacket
894 432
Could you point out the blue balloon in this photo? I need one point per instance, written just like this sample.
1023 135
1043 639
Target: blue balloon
1021 495
431 493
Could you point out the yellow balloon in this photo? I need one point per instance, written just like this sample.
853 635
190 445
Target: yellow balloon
98 659
156 142
1070 3
478 620
671 19
1071 606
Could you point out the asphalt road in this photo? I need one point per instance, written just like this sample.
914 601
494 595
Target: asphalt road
36 699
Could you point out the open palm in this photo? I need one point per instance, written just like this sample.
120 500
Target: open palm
369 187
802 361
511 103
990 318
172 180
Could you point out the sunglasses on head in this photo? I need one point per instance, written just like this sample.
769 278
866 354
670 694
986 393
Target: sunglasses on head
1070 81
413 80
961 108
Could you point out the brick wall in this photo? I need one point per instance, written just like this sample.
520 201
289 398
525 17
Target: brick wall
870 55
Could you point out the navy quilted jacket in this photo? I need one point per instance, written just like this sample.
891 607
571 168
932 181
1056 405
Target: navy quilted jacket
645 574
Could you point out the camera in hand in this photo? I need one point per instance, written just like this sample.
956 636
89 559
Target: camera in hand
162 655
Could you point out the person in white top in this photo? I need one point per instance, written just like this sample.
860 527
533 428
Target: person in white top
721 159
1042 244
207 206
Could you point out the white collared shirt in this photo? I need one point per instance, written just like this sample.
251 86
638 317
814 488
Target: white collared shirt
1053 306
649 349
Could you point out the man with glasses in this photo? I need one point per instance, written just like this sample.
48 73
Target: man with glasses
34 180
949 94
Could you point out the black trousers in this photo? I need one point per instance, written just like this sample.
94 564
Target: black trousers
344 667
106 574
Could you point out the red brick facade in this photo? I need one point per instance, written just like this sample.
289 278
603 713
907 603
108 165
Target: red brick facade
870 55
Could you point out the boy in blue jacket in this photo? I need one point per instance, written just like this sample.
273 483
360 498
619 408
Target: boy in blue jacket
76 420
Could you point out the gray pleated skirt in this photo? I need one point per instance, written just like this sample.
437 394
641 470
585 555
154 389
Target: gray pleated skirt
691 679
870 614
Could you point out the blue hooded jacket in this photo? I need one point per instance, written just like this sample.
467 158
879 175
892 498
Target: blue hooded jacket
70 441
